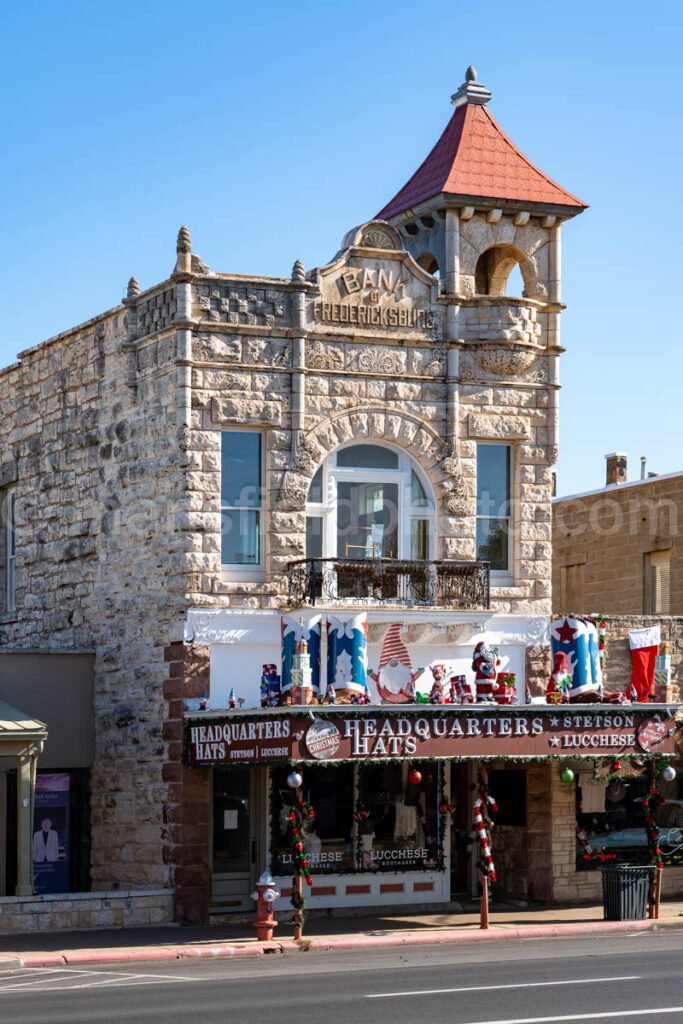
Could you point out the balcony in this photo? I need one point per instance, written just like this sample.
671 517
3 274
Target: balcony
388 581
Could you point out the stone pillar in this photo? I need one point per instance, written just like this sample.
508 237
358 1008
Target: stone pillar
451 278
298 356
188 808
539 822
183 290
553 341
26 787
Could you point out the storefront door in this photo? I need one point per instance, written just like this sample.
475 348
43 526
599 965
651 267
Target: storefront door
235 840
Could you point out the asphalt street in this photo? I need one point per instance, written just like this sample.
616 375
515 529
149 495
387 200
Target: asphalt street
614 978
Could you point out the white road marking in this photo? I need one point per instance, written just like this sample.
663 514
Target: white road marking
490 988
47 981
583 1016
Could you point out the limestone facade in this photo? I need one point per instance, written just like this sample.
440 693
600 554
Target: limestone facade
111 442
111 452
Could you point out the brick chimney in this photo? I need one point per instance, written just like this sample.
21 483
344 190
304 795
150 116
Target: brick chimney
616 468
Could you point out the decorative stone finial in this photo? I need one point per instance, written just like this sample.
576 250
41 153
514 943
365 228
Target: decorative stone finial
133 288
184 243
471 90
298 272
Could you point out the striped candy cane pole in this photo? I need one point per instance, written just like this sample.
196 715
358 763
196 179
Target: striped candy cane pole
480 827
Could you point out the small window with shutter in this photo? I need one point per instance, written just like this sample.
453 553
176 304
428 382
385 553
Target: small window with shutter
656 583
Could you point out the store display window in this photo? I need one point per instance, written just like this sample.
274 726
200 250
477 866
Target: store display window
329 839
610 824
400 829
375 817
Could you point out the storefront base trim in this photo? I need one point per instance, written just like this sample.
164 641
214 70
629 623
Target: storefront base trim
132 908
379 890
586 886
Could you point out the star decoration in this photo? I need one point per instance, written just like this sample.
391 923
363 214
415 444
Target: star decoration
565 633
553 741
554 722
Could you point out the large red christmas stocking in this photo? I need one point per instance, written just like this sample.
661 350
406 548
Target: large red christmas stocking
644 644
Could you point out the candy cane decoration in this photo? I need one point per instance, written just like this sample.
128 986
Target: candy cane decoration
479 829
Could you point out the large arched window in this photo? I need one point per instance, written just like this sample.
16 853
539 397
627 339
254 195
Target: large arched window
370 500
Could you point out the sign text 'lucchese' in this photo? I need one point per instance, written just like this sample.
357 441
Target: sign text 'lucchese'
342 737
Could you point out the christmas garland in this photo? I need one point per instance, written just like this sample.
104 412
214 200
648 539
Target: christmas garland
653 800
589 854
300 813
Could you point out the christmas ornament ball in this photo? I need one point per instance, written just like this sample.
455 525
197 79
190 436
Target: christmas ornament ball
567 775
294 780
414 776
616 767
669 773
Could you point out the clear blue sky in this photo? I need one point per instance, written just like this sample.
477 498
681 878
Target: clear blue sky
271 128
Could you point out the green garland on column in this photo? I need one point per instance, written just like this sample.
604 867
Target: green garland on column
300 813
653 800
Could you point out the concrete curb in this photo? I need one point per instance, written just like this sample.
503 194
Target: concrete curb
145 954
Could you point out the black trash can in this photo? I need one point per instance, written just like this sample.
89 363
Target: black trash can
624 891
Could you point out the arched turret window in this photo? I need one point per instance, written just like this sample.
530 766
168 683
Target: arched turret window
370 500
502 270
429 263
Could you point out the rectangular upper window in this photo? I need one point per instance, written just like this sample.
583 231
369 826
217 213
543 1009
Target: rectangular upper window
656 583
241 498
8 552
494 494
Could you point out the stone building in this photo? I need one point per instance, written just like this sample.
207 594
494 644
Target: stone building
617 548
373 438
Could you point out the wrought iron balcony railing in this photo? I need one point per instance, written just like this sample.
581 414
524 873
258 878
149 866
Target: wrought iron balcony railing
381 581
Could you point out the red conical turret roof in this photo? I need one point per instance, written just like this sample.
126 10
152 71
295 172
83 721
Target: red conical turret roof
474 157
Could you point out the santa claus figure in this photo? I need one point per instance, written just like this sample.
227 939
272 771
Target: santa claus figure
485 665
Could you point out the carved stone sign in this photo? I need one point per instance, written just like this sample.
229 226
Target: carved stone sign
389 294
341 734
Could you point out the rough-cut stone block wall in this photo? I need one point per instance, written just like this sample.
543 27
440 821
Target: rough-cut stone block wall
104 546
608 533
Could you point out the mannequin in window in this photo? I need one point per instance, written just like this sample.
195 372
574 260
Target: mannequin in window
45 842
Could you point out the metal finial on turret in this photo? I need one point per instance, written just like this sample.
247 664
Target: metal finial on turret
184 242
133 289
471 90
298 272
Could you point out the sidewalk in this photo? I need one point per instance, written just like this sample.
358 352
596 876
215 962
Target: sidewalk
320 933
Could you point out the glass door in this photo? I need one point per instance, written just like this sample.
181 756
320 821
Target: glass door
234 839
367 520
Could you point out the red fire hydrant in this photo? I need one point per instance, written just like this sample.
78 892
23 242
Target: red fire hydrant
265 895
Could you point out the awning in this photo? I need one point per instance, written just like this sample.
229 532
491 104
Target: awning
23 738
18 731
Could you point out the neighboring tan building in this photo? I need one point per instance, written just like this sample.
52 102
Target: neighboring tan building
369 443
617 550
